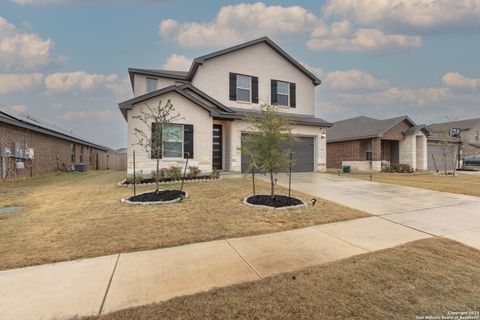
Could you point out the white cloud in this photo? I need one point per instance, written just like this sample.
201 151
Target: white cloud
353 79
455 79
239 23
19 108
17 82
22 51
83 115
177 62
78 81
369 40
408 15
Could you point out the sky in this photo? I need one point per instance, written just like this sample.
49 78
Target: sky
66 61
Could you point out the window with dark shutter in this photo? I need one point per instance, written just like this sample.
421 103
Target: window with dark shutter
233 86
293 95
188 141
156 141
273 92
254 89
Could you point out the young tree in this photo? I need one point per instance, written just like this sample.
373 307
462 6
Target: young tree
269 134
155 119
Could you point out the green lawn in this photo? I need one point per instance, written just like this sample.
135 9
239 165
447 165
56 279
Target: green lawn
68 216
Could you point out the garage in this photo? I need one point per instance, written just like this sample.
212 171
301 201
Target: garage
435 151
303 155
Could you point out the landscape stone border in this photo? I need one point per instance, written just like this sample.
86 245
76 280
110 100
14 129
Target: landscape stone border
126 201
122 183
259 206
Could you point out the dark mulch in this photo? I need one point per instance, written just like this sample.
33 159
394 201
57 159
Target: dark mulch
152 180
162 195
277 201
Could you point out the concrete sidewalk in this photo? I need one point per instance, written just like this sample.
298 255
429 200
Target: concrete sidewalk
104 284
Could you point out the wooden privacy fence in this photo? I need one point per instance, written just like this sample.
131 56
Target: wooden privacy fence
111 161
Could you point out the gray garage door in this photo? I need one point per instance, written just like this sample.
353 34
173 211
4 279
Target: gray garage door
437 152
303 154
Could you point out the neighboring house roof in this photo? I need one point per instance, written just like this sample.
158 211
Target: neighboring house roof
441 131
214 107
365 127
31 123
188 76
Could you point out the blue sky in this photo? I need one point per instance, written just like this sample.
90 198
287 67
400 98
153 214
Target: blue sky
66 61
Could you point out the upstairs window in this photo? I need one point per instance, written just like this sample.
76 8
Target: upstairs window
282 93
151 84
244 86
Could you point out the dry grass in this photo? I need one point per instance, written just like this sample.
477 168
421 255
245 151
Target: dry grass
463 184
428 277
70 216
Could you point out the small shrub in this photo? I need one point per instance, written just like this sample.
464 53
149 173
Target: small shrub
163 173
215 174
175 173
193 172
138 179
405 168
398 168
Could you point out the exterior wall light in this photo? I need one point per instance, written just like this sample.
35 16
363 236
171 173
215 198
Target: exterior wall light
323 135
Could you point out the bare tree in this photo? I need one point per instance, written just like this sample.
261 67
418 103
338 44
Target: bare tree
155 119
445 138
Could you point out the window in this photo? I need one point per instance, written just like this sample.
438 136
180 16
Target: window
282 93
172 136
368 150
244 85
72 152
173 141
90 155
151 84
81 154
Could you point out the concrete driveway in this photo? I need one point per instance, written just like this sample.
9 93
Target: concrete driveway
436 213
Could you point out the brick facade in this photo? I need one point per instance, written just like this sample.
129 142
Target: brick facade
50 153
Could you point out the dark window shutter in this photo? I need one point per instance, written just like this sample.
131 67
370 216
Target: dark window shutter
293 95
274 91
233 86
188 141
254 89
156 143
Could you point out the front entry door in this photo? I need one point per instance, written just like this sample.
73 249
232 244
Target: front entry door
217 147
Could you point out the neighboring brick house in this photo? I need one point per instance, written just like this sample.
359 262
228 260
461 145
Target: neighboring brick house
30 147
365 143
215 97
465 144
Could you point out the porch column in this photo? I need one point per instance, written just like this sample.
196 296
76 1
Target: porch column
422 159
408 151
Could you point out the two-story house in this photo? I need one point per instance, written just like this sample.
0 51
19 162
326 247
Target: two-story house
215 96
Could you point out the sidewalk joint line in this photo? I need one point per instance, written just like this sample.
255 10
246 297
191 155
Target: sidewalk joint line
243 259
403 225
338 238
108 286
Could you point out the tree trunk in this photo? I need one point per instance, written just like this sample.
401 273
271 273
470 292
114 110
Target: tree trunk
272 185
445 161
157 173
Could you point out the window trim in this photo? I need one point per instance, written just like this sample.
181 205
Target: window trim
156 84
242 88
283 94
181 140
368 149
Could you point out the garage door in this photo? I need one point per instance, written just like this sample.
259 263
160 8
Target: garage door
435 152
303 154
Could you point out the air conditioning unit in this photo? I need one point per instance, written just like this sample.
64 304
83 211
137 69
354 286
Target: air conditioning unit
29 153
6 152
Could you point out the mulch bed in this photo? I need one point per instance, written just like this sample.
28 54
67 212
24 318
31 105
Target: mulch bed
277 201
161 196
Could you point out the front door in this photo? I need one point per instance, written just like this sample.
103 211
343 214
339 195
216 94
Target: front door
217 147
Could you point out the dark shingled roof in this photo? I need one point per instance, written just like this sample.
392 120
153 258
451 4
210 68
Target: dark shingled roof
188 76
365 127
29 122
214 107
